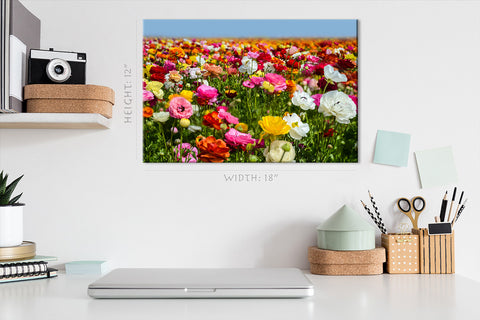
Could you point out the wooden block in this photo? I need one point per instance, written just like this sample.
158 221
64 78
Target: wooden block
402 253
69 98
437 252
346 269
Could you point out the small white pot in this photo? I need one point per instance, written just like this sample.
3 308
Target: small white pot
11 226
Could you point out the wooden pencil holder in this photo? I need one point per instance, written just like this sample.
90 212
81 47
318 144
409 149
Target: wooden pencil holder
402 252
437 252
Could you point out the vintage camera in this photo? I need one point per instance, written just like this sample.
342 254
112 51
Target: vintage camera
48 66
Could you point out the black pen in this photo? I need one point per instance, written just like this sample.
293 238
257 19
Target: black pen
451 204
444 207
459 212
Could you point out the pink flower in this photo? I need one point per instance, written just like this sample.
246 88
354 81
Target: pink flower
313 59
312 84
316 98
207 93
257 80
169 66
238 139
224 108
277 80
232 71
222 114
253 55
180 108
147 95
292 50
248 84
186 153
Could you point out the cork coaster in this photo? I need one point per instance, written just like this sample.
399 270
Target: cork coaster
69 98
365 257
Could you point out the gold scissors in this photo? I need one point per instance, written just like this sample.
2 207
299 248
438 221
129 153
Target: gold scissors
417 205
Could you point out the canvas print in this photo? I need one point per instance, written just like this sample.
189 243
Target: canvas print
250 91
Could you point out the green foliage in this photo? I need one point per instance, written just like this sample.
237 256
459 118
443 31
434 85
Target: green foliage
6 191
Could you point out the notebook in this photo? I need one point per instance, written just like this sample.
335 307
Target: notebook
202 283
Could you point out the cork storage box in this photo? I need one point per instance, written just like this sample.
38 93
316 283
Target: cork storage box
437 252
341 263
69 98
402 253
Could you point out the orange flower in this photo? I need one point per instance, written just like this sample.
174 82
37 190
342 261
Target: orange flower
212 120
291 87
212 149
147 112
176 53
212 70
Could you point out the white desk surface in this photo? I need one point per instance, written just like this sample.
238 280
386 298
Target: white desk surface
351 297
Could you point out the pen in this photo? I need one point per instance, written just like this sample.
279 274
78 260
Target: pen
459 212
451 204
374 205
444 207
458 207
379 225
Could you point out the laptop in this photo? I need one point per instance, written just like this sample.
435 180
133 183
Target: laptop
202 283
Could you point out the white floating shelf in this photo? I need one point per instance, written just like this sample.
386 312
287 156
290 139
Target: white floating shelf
54 121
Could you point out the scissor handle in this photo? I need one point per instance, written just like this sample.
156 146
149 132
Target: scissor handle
421 201
402 202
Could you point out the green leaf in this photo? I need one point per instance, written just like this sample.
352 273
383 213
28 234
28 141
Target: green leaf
3 183
11 187
14 199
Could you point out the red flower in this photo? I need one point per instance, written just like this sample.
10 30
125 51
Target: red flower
323 82
212 120
329 133
157 73
344 64
212 149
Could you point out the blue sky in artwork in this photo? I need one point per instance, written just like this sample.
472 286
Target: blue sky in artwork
250 28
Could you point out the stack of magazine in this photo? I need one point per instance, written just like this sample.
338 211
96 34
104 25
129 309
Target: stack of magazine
19 32
35 268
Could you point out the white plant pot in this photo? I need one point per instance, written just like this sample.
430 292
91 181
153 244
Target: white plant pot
11 226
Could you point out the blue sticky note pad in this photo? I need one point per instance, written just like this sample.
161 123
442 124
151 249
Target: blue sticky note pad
436 167
392 148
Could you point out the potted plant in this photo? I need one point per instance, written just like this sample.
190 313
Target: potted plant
11 213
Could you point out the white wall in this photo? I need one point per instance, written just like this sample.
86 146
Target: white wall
89 196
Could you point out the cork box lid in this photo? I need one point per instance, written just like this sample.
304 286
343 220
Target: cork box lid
69 91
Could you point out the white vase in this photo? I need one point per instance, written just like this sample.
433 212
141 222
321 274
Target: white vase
11 226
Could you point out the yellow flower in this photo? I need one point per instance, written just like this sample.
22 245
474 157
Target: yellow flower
242 127
184 123
155 87
259 73
187 94
274 125
268 86
350 57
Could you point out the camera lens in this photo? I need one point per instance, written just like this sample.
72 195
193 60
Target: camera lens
58 70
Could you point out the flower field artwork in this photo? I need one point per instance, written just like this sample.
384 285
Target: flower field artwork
250 91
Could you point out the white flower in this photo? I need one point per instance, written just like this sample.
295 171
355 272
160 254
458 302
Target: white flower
168 84
195 108
249 65
303 100
334 75
161 116
194 73
200 60
298 128
279 151
268 67
338 104
193 128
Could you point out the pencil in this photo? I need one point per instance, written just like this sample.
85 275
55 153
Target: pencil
443 210
458 207
451 204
